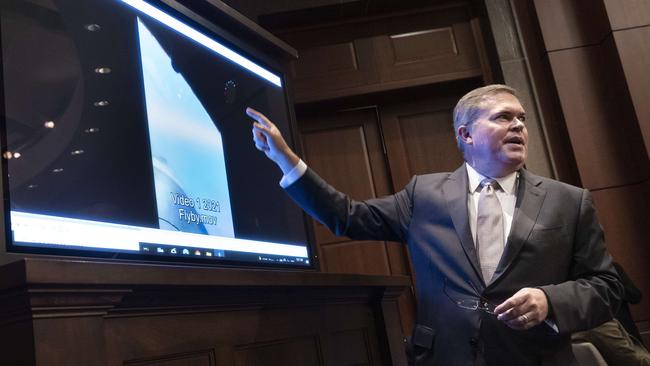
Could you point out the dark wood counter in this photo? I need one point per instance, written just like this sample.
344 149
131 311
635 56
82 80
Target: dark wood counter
82 312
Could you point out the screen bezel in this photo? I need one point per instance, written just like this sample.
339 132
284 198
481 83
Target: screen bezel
249 48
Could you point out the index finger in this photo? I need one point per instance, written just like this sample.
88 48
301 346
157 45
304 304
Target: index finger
510 303
259 117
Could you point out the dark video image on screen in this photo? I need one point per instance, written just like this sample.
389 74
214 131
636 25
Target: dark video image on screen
124 134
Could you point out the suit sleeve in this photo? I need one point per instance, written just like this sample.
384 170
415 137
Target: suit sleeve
385 218
592 294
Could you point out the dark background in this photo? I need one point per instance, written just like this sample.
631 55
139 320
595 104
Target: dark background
49 58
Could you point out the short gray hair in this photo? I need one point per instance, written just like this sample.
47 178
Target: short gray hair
470 106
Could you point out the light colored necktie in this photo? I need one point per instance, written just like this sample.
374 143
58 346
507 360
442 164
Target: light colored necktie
489 229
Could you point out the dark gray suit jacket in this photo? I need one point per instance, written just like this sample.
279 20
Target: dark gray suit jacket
555 244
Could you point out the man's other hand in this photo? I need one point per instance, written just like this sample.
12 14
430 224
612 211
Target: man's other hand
268 139
523 310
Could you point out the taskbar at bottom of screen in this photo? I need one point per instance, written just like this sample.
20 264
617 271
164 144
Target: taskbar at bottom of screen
219 254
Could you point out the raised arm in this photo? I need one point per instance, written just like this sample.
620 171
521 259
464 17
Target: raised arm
383 218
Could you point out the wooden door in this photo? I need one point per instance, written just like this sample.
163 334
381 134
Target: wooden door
419 137
346 149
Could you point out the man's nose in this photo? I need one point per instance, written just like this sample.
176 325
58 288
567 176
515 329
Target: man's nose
517 124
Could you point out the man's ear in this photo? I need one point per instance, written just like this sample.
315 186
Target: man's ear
464 135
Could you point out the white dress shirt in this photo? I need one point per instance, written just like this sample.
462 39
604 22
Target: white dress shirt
294 174
507 197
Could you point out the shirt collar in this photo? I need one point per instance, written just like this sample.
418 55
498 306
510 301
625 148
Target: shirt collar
507 183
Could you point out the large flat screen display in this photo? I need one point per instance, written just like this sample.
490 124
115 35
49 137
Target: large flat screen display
124 135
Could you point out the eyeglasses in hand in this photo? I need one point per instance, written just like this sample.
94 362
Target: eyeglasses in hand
471 303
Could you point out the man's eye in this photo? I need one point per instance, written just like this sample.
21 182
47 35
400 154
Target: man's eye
522 118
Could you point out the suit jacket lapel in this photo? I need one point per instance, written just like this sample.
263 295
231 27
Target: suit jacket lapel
455 192
529 203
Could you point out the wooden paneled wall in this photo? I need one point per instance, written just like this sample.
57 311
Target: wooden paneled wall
368 120
384 52
58 312
599 52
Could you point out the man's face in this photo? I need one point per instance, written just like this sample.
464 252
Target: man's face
499 139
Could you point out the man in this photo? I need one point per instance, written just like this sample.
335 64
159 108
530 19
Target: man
508 264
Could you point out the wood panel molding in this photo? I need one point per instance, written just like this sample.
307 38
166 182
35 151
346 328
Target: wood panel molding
70 302
197 358
420 138
327 60
423 45
628 13
344 257
305 350
274 317
570 24
603 128
366 55
623 215
427 53
634 51
346 65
